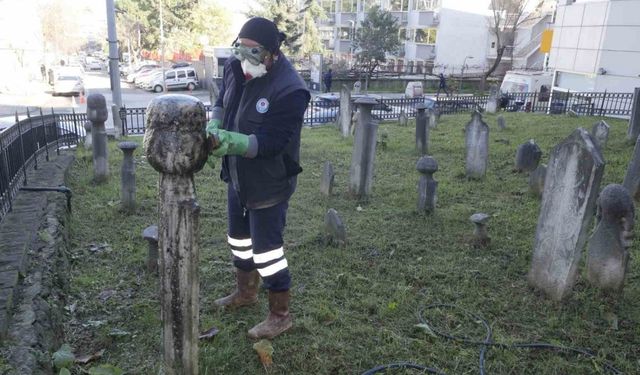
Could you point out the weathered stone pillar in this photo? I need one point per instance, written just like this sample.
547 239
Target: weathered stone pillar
427 186
150 234
364 150
97 113
492 102
433 118
422 130
502 124
600 133
88 139
345 111
326 184
117 122
633 131
128 177
477 145
175 145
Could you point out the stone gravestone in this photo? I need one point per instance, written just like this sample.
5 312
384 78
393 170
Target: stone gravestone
356 87
326 184
477 145
608 253
632 177
427 186
175 145
88 140
571 186
345 111
433 119
600 132
528 156
128 177
364 150
150 234
502 124
97 113
422 130
633 131
403 120
536 180
492 101
480 235
335 232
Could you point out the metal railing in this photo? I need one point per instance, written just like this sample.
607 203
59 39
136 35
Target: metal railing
28 141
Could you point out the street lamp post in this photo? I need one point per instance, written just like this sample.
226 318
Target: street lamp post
464 64
351 36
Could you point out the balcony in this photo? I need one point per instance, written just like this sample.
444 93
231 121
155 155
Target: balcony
330 20
402 17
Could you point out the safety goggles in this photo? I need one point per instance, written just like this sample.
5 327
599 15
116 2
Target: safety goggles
255 55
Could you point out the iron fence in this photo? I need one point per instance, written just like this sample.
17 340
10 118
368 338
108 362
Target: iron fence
29 140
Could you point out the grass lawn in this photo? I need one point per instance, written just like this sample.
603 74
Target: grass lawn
356 307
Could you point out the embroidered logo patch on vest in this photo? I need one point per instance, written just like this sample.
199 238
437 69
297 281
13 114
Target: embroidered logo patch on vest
262 105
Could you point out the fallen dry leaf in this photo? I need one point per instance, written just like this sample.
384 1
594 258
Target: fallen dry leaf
209 334
90 357
265 352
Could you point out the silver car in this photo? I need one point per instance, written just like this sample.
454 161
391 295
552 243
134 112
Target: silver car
68 84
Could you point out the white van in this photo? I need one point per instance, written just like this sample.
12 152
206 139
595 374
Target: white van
526 81
178 78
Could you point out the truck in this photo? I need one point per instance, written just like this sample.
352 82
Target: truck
525 90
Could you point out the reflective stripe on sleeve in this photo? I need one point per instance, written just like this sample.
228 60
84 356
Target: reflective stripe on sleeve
268 256
270 270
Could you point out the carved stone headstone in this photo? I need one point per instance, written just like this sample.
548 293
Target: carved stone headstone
492 101
150 234
356 87
600 132
97 113
364 150
326 184
632 177
528 156
345 111
477 145
536 180
422 130
175 145
427 186
128 176
88 140
633 131
480 236
502 124
403 120
335 232
571 186
608 253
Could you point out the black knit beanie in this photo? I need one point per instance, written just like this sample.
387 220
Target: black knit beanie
262 31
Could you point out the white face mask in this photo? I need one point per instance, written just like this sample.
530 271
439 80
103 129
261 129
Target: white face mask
253 71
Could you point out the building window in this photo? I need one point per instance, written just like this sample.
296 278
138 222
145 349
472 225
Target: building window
348 6
402 34
493 44
368 4
426 36
329 6
398 5
426 4
344 33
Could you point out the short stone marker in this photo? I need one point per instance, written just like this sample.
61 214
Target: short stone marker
364 150
422 130
608 253
528 156
175 145
128 177
502 124
345 111
335 233
326 184
492 101
536 180
150 234
356 87
97 113
433 119
632 177
480 235
88 140
477 145
633 131
403 120
600 132
427 186
568 202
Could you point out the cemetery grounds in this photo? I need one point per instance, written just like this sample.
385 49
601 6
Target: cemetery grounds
362 305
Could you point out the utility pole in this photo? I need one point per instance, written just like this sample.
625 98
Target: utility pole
164 82
114 70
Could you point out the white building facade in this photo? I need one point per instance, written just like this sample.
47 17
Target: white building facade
596 45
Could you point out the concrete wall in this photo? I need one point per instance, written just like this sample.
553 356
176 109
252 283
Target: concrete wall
600 42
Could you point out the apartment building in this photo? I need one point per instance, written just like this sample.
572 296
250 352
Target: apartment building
596 45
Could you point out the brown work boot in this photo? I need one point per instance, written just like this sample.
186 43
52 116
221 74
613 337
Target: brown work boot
246 292
279 319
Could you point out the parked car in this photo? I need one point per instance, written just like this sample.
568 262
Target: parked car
68 84
326 108
94 65
179 78
143 79
131 77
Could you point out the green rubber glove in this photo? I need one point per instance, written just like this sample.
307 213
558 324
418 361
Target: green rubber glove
213 125
230 143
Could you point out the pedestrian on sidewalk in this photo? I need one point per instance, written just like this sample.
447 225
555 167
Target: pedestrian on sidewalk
43 71
442 85
328 78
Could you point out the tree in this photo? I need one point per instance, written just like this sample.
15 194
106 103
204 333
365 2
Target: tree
505 19
286 15
58 18
377 36
310 39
